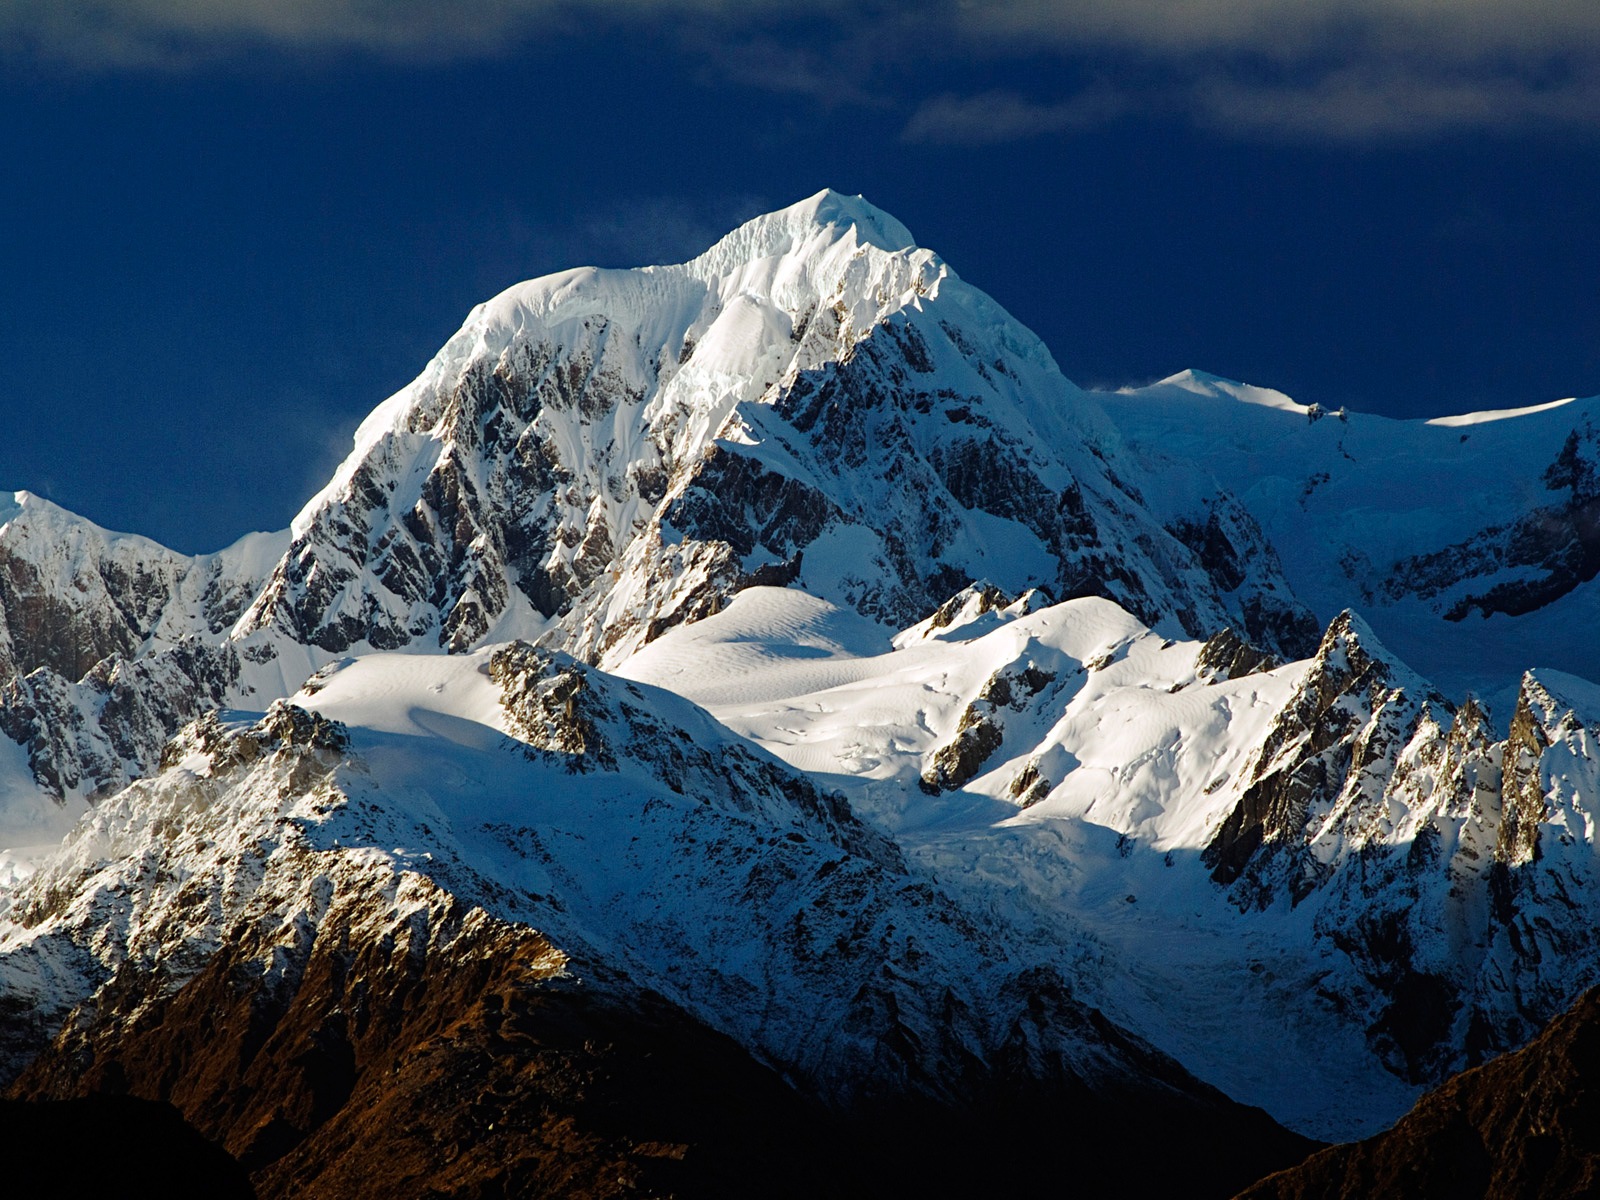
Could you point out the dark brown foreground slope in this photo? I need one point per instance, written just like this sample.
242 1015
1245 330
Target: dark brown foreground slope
1523 1127
385 1070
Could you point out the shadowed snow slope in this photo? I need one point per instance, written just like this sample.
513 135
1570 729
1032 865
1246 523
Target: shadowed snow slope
1471 543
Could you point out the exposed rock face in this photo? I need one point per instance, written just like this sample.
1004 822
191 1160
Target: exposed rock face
110 643
1524 1127
1231 547
568 713
1474 927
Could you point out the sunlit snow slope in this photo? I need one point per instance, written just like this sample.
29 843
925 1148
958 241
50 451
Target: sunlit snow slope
1067 767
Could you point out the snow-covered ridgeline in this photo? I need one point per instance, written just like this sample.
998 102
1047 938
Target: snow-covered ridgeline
72 593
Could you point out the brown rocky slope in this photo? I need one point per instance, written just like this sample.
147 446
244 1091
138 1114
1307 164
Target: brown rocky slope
1523 1127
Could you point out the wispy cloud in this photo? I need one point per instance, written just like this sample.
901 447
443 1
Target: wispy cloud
116 31
1289 29
1376 102
100 34
1315 70
1002 116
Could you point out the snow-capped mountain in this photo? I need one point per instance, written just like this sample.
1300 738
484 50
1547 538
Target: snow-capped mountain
599 455
775 653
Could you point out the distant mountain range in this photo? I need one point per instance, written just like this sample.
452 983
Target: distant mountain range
734 723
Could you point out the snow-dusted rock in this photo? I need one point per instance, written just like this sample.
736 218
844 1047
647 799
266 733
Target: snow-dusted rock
72 594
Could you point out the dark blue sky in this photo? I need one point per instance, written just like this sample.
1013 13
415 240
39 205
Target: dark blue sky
224 244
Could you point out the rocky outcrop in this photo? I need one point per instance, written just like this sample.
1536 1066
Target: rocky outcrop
1226 656
571 714
89 738
1318 779
981 728
110 643
1484 909
1448 866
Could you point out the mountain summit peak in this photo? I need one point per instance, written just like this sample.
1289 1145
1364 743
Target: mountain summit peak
829 209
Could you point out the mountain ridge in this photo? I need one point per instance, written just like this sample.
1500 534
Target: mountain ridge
785 646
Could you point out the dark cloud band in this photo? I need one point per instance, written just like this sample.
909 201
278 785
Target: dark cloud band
1302 69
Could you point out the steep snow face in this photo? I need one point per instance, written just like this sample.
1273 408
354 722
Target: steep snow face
1470 543
600 455
650 848
1319 858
